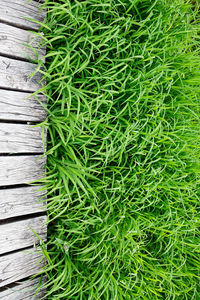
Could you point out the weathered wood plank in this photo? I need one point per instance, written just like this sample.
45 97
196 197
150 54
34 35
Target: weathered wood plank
21 201
20 138
24 290
17 107
20 169
13 42
19 265
18 235
15 12
14 74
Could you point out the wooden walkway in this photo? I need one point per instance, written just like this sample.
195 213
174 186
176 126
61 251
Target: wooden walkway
20 149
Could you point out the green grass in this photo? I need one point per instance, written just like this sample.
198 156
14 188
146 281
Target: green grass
123 149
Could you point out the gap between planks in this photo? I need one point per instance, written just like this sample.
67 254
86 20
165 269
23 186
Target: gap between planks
24 290
16 12
19 43
20 265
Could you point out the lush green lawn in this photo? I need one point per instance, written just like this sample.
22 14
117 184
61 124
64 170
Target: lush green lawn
123 149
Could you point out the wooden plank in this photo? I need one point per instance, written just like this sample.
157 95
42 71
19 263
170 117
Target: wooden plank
18 235
21 201
15 12
14 74
20 138
13 42
24 290
17 107
19 265
21 169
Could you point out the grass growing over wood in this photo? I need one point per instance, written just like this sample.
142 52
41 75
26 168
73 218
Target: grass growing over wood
123 149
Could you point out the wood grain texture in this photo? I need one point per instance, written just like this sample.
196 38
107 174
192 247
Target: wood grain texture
19 265
21 201
15 12
21 169
13 42
20 138
24 290
15 85
15 74
18 235
17 106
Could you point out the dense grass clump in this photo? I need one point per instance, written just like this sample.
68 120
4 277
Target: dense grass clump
123 149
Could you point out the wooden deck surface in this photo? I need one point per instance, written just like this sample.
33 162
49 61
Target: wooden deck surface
21 148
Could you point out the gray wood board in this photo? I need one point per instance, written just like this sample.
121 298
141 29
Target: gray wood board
15 12
20 138
21 201
15 74
19 265
14 41
24 290
21 169
18 235
18 106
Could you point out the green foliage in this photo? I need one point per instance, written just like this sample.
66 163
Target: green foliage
123 149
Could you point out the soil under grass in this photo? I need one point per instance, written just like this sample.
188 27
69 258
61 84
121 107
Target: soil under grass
123 149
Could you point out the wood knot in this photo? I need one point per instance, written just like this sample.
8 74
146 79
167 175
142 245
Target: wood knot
3 37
